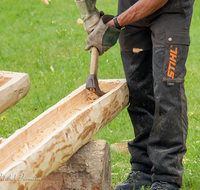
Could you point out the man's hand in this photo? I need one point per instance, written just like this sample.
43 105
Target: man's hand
103 37
89 14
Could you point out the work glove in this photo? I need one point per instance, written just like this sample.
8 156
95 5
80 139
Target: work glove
103 37
89 13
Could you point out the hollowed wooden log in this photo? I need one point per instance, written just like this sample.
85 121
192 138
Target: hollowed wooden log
48 141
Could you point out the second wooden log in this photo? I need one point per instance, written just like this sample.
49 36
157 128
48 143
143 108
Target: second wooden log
88 169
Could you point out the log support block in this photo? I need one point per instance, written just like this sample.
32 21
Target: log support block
88 169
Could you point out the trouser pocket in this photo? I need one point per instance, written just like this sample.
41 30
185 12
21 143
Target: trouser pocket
177 46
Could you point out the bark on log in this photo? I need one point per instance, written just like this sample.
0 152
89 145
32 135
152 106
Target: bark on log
88 169
48 141
13 87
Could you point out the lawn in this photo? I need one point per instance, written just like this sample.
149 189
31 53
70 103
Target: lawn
47 43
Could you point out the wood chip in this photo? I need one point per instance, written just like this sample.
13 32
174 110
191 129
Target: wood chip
137 50
2 140
46 1
79 21
120 147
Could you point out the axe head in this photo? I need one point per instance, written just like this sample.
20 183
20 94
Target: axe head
93 85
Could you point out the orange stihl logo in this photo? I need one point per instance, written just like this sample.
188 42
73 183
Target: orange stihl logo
172 62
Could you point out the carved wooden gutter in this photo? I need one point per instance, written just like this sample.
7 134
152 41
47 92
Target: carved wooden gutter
48 141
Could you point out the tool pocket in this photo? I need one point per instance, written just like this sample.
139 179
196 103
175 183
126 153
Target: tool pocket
177 45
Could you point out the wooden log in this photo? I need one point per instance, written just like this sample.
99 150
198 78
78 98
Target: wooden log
48 141
88 168
13 87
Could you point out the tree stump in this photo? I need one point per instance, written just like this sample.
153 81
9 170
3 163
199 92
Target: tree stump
88 169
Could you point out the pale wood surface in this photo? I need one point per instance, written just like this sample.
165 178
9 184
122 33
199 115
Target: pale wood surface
13 87
88 169
48 141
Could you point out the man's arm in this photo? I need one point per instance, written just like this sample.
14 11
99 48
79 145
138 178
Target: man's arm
138 11
105 34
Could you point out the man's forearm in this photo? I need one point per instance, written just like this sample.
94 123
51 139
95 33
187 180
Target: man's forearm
138 11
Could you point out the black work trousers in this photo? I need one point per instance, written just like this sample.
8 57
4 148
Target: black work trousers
158 106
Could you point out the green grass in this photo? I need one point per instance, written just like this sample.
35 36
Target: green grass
34 37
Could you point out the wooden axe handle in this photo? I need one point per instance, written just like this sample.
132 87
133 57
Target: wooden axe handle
94 61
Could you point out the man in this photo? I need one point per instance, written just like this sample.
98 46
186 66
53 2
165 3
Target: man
154 47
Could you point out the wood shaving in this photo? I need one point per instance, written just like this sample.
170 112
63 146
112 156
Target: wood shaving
137 50
46 1
120 147
79 21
